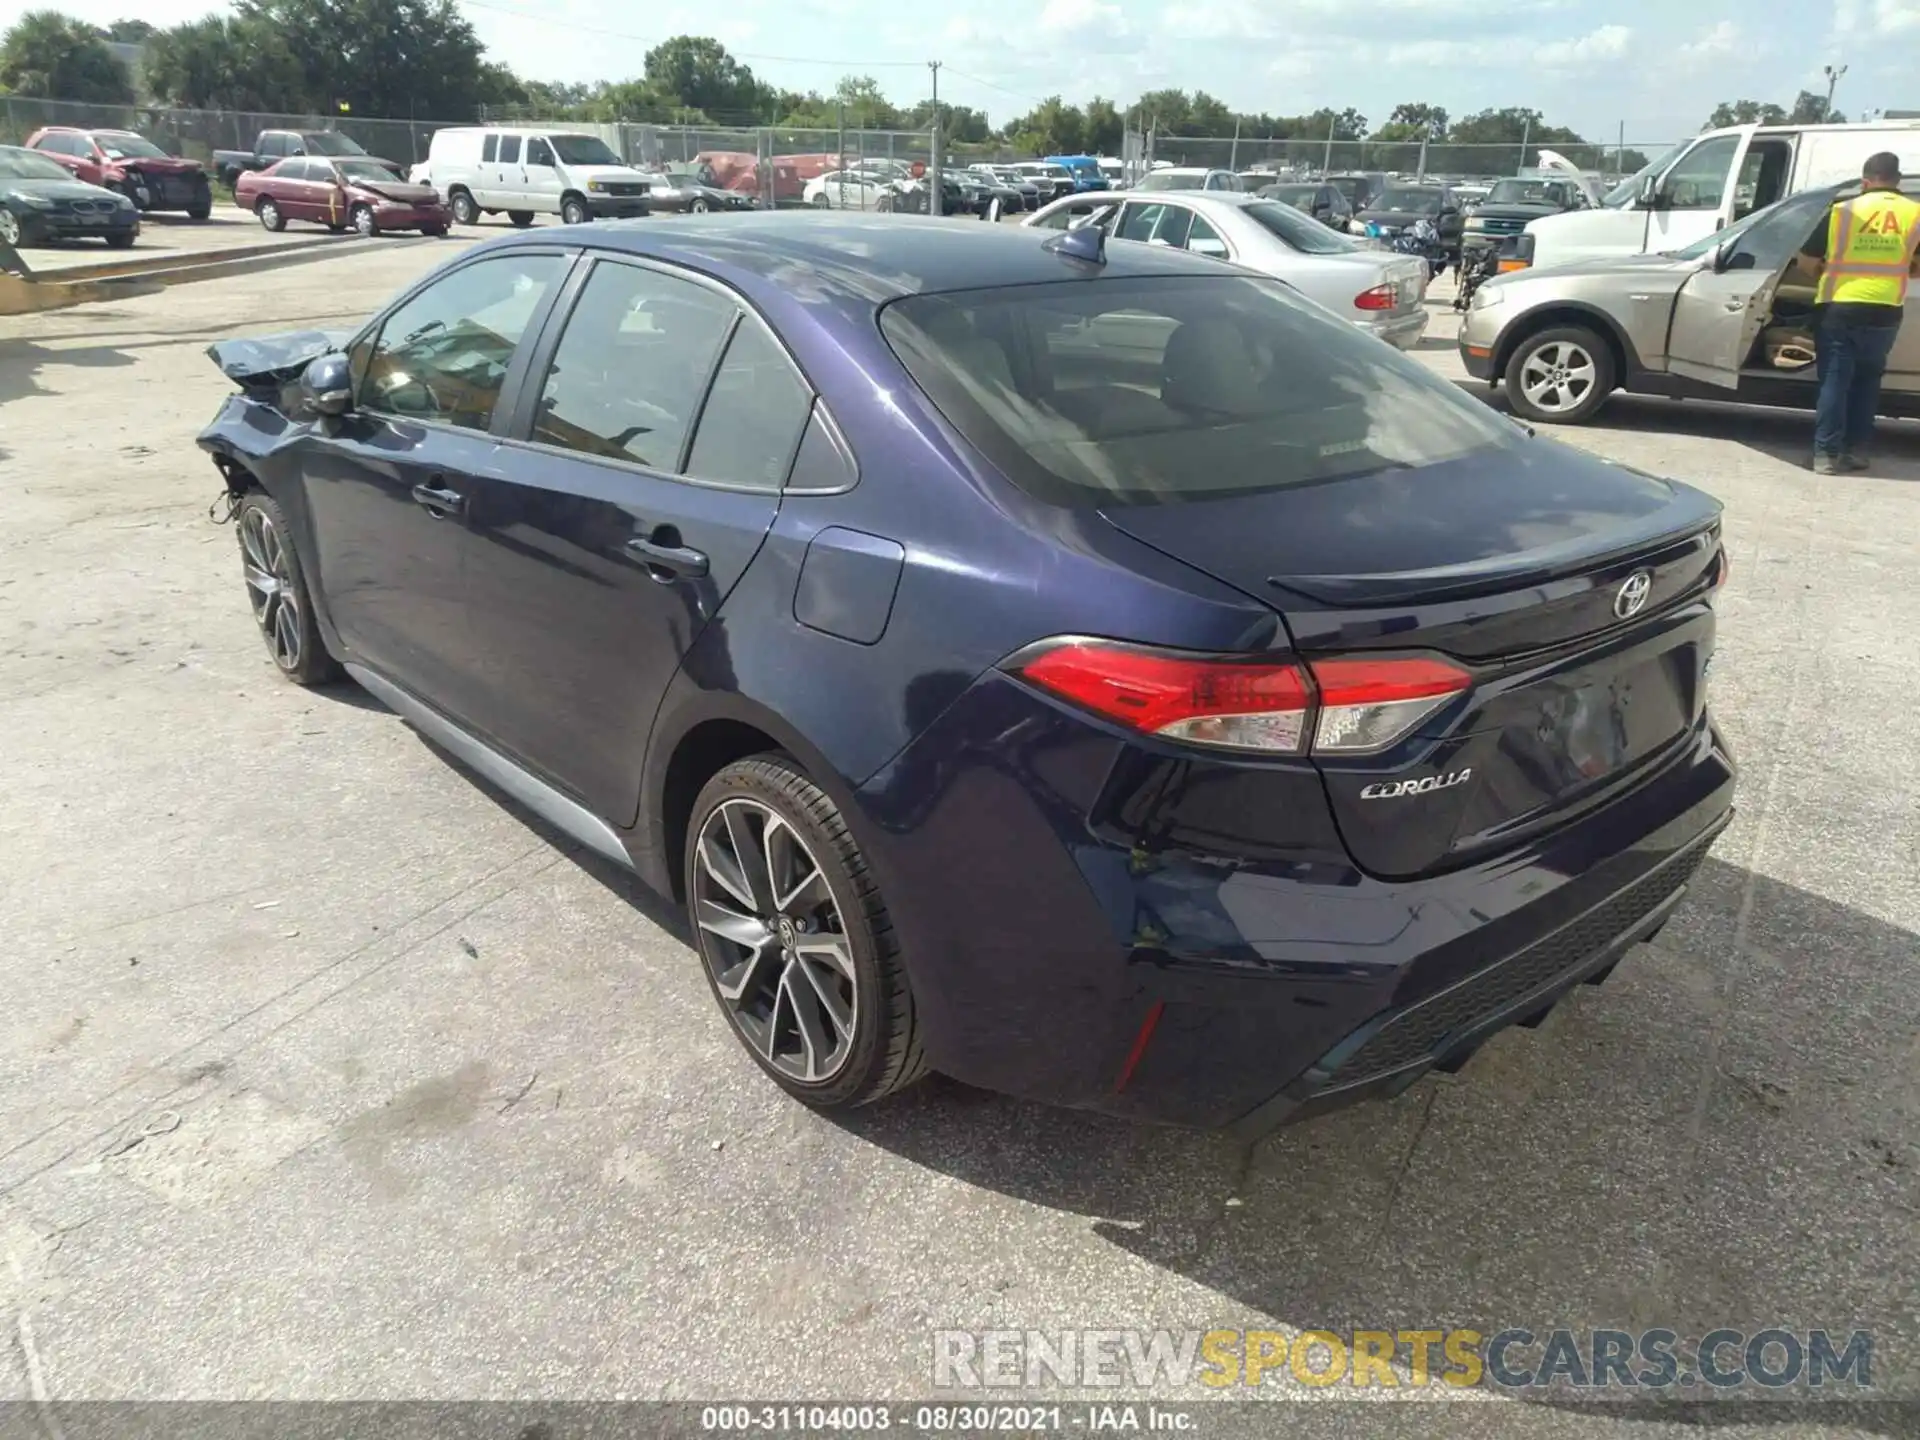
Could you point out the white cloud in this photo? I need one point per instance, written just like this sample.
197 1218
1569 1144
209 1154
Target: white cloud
1717 42
1597 47
1069 17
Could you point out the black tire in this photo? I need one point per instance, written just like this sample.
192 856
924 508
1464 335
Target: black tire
521 218
201 209
437 232
361 218
821 202
123 240
573 210
465 212
284 613
1570 352
269 215
883 1053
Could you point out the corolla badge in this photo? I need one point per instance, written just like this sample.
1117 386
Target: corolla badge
1631 597
1391 789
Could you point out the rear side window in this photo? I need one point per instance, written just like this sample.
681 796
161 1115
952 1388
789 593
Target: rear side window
271 145
490 150
509 149
628 373
754 415
1169 390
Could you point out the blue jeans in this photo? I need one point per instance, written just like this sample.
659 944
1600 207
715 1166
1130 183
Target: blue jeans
1851 358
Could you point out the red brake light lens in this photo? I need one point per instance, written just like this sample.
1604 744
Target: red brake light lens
1380 297
1345 706
1240 704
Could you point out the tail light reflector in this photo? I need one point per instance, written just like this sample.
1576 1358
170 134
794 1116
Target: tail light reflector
1340 706
1380 297
1722 568
1367 704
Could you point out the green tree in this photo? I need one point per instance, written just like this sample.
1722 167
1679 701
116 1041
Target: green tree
1810 108
394 58
866 107
696 71
219 63
1746 112
130 32
1106 128
1416 118
1053 128
55 57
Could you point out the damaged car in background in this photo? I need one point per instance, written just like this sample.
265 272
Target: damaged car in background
1729 317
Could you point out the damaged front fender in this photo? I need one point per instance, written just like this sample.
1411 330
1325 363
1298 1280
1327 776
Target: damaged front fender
266 362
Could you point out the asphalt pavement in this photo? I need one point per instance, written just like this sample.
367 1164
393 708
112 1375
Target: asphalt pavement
326 1074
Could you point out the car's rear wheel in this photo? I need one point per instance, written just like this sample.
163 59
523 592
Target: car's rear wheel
795 938
1560 376
270 216
464 210
277 592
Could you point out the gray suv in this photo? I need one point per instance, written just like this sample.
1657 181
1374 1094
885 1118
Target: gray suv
1727 318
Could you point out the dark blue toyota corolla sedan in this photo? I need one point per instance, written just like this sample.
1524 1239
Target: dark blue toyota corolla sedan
1098 675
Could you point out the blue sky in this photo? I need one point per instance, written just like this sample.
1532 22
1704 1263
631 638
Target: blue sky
1657 65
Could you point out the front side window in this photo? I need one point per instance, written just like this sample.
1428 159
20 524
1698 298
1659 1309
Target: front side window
443 354
628 373
753 416
1699 181
1171 390
539 152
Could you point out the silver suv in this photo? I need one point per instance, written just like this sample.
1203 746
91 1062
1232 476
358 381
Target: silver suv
1727 318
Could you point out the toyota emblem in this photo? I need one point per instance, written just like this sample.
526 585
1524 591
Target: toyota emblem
1632 596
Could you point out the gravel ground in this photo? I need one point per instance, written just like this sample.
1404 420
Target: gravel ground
325 1075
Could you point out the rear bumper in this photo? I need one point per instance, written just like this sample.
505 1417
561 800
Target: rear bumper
1401 331
1101 924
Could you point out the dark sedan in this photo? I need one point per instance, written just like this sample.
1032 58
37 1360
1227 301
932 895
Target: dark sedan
1322 201
1398 206
1087 670
684 192
41 202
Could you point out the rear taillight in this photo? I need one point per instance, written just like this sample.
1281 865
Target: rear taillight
1336 706
1367 704
1380 297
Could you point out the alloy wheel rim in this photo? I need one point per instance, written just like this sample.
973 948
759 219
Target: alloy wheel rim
1557 377
774 942
9 227
269 212
270 588
363 221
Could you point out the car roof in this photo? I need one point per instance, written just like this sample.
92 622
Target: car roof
852 257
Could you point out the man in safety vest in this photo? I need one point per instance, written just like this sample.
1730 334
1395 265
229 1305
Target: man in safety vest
1864 255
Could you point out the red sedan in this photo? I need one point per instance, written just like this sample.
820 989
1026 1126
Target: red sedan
339 193
129 163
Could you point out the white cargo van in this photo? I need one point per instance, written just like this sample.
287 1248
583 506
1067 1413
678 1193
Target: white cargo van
1708 182
484 170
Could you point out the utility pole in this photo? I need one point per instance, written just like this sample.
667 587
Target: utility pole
1526 134
1233 155
1833 74
1326 167
934 186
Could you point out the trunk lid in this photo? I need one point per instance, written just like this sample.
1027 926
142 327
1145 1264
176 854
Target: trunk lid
1513 563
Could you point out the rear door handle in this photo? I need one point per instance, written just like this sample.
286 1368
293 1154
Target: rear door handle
666 559
438 500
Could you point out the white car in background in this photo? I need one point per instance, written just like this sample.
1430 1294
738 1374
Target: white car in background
847 190
1379 291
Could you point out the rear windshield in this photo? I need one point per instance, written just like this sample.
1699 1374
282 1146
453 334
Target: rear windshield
1417 202
1164 391
1300 231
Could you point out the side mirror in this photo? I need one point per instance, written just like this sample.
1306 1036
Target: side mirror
1649 196
1212 249
326 385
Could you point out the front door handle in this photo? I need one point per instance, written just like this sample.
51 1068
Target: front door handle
438 500
667 560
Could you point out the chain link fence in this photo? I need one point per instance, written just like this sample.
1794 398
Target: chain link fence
777 162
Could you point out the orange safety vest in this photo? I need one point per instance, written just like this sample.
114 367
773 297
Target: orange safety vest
1870 248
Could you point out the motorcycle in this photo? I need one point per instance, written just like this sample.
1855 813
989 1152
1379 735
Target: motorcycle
1421 238
1476 268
